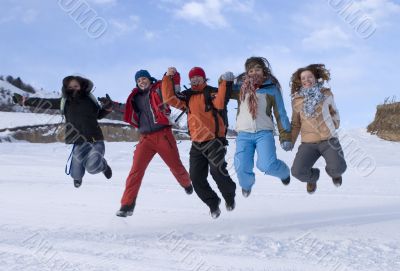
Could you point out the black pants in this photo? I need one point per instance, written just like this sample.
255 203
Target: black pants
211 154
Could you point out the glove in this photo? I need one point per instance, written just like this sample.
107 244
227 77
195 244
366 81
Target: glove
18 99
176 78
106 102
287 145
228 76
177 82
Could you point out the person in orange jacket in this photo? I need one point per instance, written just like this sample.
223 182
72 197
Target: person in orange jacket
207 129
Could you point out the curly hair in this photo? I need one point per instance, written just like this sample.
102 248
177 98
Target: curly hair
318 70
264 63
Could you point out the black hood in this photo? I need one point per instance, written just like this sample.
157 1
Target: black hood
86 85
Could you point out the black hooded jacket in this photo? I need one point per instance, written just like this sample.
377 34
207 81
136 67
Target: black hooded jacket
80 111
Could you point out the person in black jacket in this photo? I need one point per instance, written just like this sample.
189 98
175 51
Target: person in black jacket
81 111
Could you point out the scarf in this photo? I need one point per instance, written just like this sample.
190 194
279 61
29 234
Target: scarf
312 97
199 87
249 87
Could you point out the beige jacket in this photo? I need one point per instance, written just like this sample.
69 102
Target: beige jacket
322 127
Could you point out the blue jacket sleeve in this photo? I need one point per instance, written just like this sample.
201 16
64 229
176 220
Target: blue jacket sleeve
281 116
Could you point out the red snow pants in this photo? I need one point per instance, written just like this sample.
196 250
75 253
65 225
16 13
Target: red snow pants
163 143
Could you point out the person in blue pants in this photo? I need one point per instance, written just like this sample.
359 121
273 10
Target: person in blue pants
260 95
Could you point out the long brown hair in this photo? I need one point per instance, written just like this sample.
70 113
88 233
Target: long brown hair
318 70
264 63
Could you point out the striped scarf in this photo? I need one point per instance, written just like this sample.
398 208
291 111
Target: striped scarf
249 87
312 97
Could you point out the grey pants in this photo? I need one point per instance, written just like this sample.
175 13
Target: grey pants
89 157
309 153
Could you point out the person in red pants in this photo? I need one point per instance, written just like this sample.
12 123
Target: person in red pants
145 110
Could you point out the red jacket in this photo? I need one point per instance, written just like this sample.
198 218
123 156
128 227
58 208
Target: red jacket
160 110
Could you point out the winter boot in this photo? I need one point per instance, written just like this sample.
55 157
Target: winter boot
246 193
189 189
230 204
286 181
215 211
337 181
77 183
311 187
126 210
108 172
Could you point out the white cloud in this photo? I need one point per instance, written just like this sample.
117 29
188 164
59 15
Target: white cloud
378 10
122 27
207 13
20 14
102 2
327 38
149 35
210 12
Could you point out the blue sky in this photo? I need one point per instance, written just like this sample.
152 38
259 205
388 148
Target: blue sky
43 41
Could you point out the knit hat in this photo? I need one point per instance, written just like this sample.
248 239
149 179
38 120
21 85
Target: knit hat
144 73
197 71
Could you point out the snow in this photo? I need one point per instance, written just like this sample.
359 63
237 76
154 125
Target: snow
47 224
16 119
39 93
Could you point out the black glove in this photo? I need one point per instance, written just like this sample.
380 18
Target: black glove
18 99
106 102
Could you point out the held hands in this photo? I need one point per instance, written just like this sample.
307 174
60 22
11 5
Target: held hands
287 145
106 103
171 71
174 74
228 76
18 99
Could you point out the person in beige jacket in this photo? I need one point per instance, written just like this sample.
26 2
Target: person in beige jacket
316 118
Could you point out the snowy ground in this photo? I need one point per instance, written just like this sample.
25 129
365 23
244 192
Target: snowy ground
47 224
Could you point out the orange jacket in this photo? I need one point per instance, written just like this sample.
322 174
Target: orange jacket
201 124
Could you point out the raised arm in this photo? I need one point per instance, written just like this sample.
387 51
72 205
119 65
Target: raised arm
107 105
224 90
42 103
168 92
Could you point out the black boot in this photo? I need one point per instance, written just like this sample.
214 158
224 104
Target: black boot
337 181
230 204
286 181
126 210
77 183
246 193
215 211
311 187
108 172
189 189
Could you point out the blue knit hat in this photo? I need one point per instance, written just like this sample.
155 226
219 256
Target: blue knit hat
144 73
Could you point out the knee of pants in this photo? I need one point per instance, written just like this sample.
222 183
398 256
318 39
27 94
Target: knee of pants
336 170
219 169
269 167
299 173
95 164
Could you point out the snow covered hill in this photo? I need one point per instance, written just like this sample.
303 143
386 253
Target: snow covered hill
7 90
47 224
